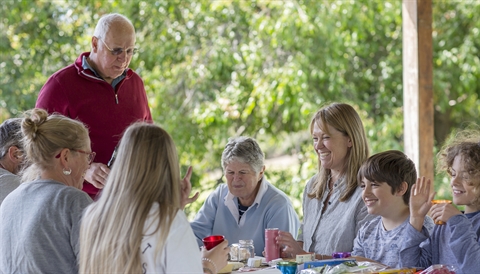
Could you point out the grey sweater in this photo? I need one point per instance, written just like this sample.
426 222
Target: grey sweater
8 182
39 228
456 244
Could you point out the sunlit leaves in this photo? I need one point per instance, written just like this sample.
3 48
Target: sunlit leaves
215 69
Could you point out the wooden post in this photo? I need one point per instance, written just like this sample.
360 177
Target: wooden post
418 84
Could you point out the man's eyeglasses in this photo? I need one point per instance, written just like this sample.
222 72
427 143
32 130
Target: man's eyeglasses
91 155
118 51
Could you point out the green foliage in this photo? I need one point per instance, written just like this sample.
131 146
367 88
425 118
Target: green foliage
215 69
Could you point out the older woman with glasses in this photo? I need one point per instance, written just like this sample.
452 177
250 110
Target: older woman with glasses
40 220
248 204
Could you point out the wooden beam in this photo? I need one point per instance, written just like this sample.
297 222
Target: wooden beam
418 84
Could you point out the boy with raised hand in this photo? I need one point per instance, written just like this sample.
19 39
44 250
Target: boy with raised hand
386 179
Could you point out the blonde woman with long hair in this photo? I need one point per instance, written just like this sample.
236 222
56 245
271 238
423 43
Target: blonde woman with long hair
332 200
137 225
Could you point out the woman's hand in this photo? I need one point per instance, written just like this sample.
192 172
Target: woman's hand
218 255
97 174
291 246
186 189
420 202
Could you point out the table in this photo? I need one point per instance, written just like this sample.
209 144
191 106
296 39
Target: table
261 271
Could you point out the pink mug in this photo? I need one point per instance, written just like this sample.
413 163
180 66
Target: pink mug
272 249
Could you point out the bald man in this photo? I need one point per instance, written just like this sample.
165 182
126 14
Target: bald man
101 91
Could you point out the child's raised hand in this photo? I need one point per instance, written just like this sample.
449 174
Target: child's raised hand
420 202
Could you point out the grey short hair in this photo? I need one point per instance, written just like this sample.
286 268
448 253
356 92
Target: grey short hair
243 149
10 135
106 21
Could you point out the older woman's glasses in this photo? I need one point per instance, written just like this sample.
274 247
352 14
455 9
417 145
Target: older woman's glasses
118 51
90 155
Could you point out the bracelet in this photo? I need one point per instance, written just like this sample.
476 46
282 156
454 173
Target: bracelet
206 269
212 263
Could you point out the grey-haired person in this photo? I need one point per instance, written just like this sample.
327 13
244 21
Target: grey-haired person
101 91
11 156
247 204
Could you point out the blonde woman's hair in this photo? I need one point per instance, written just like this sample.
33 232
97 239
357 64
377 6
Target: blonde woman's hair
44 136
146 171
345 119
466 144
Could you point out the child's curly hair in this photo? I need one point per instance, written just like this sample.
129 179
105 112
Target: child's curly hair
464 143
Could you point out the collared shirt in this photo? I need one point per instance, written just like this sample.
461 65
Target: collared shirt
335 228
231 202
115 81
219 216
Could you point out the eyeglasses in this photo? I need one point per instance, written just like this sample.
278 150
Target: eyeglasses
91 155
118 51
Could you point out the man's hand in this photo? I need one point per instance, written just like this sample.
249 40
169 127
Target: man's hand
97 174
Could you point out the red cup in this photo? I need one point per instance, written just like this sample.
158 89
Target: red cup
212 241
272 249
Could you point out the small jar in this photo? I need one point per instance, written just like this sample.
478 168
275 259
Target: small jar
245 250
234 252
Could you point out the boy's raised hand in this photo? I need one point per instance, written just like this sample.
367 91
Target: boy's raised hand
420 202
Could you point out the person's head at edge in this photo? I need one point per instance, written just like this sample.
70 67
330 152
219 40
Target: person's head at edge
243 166
341 146
113 45
11 148
146 170
57 148
460 159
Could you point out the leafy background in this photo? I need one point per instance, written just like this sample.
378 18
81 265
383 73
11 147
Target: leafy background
217 69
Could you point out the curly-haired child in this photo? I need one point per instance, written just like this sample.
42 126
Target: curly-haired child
455 243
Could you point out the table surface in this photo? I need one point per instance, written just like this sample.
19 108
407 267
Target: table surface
261 271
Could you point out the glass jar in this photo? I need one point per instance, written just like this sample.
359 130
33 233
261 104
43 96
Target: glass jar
234 252
246 250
